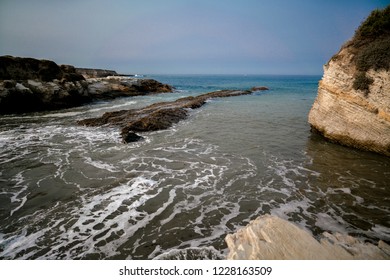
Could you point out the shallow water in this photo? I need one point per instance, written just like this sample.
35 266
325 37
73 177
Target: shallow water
71 192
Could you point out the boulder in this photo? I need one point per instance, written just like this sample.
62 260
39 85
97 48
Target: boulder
272 238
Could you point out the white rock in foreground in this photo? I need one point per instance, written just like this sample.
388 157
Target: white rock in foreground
271 238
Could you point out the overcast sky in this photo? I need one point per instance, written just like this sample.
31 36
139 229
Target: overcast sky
183 36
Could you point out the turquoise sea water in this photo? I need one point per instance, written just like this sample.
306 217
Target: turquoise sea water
71 192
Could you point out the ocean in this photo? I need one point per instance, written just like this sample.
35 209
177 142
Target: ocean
74 192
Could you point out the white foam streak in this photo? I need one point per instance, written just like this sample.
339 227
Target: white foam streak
106 108
204 253
18 192
101 165
328 223
62 115
14 244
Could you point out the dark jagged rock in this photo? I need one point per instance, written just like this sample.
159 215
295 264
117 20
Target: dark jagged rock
18 68
157 116
28 85
131 137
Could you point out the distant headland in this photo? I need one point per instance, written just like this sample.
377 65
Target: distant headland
30 85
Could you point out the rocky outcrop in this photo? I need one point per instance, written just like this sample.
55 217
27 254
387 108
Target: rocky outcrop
118 86
88 73
271 238
18 68
157 116
28 85
353 102
34 95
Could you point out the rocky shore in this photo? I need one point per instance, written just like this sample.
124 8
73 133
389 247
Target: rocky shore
157 116
272 238
29 85
353 103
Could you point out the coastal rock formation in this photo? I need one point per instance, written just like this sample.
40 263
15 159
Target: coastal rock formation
88 73
353 103
271 238
28 85
157 116
118 86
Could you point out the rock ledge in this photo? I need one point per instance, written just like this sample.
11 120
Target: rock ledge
156 116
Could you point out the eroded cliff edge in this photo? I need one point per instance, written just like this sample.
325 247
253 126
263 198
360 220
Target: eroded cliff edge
353 102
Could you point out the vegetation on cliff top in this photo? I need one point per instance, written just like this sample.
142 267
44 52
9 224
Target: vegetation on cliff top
377 25
372 47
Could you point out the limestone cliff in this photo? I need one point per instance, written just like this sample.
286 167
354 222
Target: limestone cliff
353 102
271 238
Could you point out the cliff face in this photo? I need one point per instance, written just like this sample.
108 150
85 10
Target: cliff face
353 102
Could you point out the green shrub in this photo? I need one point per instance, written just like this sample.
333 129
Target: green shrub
371 46
376 25
362 82
375 55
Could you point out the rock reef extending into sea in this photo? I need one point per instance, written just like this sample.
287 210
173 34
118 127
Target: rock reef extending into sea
156 116
272 238
29 85
353 103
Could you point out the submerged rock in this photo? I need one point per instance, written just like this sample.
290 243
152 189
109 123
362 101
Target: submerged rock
353 102
131 137
260 88
28 85
272 238
157 116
